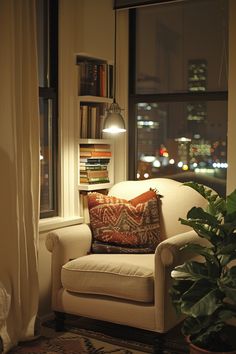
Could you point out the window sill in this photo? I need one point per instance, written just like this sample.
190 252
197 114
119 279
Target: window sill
57 222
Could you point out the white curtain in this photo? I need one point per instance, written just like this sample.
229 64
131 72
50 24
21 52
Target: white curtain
19 171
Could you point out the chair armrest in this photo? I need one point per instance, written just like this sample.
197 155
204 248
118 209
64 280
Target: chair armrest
167 256
65 244
169 249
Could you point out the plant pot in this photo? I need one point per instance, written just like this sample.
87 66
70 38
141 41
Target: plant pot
196 350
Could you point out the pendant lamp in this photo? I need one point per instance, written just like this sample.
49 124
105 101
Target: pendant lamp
114 121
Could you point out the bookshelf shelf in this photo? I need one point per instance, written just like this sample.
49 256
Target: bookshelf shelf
95 99
94 187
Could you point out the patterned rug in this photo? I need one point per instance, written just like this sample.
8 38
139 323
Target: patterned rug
83 336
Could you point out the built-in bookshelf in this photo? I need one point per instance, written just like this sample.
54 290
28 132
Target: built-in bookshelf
95 93
96 160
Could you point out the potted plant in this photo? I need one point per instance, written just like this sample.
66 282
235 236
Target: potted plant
204 288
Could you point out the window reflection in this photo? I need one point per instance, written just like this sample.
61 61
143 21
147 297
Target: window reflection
171 145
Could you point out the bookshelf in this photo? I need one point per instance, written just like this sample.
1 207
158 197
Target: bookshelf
96 160
95 93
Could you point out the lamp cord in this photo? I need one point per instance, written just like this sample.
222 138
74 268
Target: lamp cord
114 85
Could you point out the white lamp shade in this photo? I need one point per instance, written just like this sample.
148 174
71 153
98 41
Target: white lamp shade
114 122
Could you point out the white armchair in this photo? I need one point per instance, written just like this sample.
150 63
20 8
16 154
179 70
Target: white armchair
128 289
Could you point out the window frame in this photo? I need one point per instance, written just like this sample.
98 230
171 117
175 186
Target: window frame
51 93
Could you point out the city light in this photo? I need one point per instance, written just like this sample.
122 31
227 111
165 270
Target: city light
148 158
156 163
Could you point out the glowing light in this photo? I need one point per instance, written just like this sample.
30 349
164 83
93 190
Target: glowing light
194 164
138 175
219 165
146 175
204 170
41 157
156 163
180 164
165 154
183 139
147 158
185 167
171 161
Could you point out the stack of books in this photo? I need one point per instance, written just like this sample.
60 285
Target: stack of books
94 160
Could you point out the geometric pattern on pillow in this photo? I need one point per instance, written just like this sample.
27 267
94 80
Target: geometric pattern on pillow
124 226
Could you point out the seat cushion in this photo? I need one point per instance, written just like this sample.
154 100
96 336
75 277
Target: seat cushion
124 276
122 226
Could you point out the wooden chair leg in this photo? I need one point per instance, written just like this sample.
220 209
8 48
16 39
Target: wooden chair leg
159 343
59 321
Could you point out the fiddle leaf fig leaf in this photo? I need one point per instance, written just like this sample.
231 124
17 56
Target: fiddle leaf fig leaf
202 299
190 271
201 216
231 203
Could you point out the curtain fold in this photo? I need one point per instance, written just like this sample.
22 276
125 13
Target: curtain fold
19 177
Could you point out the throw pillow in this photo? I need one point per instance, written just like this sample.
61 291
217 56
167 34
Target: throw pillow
124 226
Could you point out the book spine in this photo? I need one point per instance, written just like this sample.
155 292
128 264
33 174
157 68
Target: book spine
94 180
94 174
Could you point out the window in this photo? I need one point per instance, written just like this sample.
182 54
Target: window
178 92
47 35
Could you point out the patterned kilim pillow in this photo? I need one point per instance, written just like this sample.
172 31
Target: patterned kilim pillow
122 226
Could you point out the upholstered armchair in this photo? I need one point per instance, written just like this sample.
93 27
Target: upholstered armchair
128 289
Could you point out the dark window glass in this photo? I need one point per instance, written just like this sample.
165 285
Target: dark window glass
178 92
47 31
186 47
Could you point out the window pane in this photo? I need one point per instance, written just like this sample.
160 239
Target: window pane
46 156
184 141
43 41
47 45
182 47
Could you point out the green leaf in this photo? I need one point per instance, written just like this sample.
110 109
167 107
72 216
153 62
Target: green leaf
227 246
231 219
226 258
204 251
193 325
191 270
202 216
231 203
230 292
202 299
202 230
206 192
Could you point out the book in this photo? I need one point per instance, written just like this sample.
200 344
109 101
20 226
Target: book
93 174
94 180
83 121
95 147
93 121
95 153
93 167
91 160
